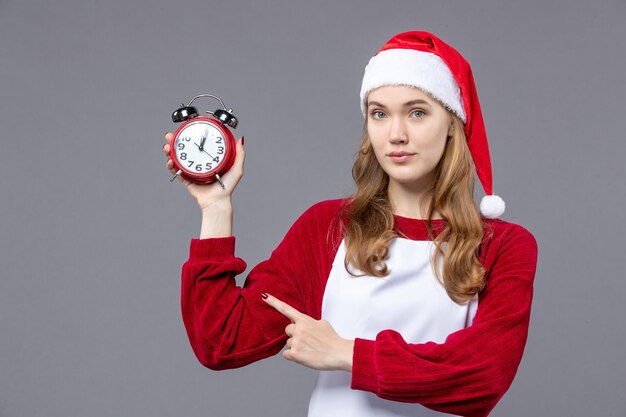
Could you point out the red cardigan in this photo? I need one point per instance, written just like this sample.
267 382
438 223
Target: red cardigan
230 327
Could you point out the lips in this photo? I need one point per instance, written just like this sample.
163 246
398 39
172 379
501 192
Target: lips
400 156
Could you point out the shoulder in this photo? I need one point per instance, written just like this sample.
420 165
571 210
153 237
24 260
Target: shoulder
334 205
508 241
326 210
319 217
317 229
504 230
320 222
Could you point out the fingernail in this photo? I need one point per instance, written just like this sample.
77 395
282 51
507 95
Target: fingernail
263 295
242 140
163 147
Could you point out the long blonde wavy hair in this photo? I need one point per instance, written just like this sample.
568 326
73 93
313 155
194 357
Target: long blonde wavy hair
369 221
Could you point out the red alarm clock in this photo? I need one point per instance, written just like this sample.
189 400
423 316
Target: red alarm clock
203 148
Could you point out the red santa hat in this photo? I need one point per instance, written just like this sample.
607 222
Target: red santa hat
420 59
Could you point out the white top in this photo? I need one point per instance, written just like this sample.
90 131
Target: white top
410 301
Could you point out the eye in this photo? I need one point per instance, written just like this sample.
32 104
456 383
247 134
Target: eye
417 113
377 114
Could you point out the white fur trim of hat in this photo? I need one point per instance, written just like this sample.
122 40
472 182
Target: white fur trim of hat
423 70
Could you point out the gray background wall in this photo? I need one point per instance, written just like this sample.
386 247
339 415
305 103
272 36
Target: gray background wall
93 234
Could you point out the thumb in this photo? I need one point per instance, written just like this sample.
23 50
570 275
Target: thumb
240 157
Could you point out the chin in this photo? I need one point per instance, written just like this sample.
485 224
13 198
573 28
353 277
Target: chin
405 180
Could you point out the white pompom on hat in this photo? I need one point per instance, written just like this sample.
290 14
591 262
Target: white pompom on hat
420 59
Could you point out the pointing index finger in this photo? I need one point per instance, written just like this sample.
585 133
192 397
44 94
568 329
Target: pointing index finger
284 308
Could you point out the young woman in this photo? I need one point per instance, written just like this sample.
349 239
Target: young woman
407 299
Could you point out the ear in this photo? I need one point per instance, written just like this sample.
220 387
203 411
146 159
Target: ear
450 124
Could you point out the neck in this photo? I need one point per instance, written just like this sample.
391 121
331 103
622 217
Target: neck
409 201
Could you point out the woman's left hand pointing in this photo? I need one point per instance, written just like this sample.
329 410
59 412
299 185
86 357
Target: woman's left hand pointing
313 343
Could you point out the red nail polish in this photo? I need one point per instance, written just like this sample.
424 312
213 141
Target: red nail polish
264 296
242 140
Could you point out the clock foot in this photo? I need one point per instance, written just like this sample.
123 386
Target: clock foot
217 177
176 175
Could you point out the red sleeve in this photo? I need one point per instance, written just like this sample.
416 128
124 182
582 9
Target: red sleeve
468 373
230 326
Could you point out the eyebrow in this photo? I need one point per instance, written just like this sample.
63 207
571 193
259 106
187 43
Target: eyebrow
407 104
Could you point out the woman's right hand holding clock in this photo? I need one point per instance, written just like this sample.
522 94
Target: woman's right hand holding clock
214 201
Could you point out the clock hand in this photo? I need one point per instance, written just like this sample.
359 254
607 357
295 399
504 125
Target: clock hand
203 150
206 133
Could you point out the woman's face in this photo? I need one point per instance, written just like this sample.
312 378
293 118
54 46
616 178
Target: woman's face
408 130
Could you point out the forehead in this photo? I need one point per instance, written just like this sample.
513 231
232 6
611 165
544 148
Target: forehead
390 95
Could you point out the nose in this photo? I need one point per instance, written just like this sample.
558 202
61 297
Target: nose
397 131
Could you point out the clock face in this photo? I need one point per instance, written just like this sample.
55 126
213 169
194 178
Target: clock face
200 147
